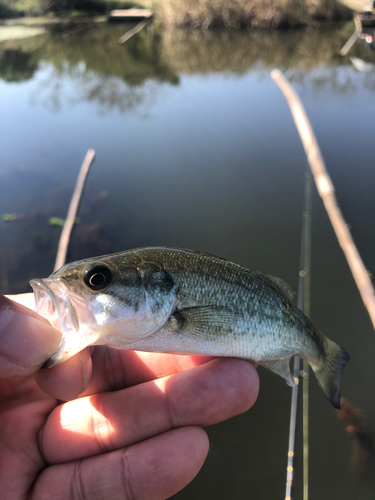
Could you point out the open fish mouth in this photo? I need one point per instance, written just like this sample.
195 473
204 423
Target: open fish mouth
53 304
46 302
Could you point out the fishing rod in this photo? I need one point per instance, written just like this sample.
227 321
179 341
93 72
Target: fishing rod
307 310
304 305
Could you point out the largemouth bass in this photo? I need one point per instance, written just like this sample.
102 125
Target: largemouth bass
180 301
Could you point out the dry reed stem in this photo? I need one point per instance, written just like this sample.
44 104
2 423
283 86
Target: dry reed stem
349 44
133 31
72 212
327 193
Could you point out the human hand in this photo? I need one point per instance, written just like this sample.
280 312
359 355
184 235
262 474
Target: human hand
134 432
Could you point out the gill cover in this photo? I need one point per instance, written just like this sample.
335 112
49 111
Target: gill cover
100 306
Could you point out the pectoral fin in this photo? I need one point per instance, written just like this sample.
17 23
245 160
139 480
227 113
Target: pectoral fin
280 367
204 321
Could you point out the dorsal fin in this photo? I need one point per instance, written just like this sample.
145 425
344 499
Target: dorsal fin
286 289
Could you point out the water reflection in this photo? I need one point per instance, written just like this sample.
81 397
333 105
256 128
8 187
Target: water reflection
32 199
363 448
92 66
308 56
16 65
96 69
107 92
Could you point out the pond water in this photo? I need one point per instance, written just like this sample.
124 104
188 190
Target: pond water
196 148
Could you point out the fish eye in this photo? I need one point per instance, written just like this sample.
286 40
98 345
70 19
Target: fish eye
98 277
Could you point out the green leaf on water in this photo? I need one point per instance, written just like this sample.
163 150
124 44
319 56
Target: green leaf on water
56 221
9 217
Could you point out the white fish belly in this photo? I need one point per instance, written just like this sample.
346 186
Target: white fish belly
256 346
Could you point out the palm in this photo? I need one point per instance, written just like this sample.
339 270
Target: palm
134 432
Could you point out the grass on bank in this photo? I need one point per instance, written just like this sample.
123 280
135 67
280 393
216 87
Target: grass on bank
251 13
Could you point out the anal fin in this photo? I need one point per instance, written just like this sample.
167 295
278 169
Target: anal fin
280 367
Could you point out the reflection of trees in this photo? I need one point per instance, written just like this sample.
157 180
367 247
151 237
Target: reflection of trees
99 69
98 49
114 76
111 92
16 65
193 51
339 79
108 91
315 51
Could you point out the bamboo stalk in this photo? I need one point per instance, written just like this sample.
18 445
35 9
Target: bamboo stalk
133 31
72 212
327 193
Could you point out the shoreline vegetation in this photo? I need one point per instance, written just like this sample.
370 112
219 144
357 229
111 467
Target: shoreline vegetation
268 14
238 14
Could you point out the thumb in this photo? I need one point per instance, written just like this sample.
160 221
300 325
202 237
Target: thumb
26 340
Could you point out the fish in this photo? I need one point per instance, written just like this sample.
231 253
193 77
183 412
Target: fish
171 300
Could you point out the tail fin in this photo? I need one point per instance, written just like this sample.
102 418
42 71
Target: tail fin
328 370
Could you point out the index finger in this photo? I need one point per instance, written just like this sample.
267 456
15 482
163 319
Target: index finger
117 369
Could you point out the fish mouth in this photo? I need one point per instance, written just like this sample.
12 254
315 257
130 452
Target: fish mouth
46 302
53 304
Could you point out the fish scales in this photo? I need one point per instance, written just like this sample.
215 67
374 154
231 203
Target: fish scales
183 301
246 295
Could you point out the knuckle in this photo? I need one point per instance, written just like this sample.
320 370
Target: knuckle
171 412
101 427
77 484
127 481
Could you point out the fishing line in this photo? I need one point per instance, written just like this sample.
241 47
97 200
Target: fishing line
304 305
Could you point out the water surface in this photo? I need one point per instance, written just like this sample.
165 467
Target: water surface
196 148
